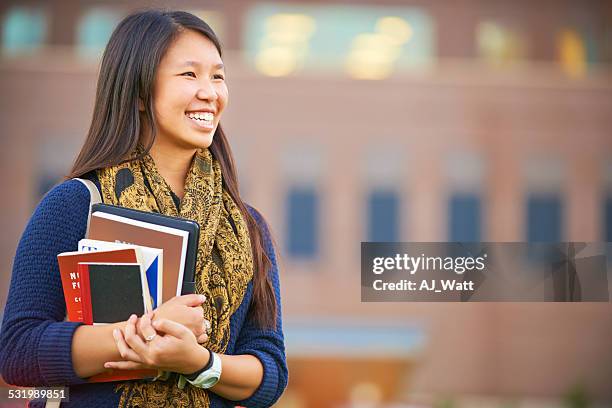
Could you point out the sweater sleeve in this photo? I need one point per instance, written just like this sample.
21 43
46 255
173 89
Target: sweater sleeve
266 344
35 342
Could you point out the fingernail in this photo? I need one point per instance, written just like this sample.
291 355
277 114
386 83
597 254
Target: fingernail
107 365
115 333
202 298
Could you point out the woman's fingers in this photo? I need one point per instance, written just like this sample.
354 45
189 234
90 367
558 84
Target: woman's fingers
190 300
202 338
145 327
132 338
203 333
126 352
172 328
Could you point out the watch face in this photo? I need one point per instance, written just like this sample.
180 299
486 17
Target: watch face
206 380
210 381
211 376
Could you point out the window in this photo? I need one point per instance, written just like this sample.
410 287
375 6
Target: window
607 204
608 218
499 44
544 218
464 215
366 42
465 172
303 167
45 182
52 162
94 30
383 216
572 52
545 176
302 222
608 226
23 29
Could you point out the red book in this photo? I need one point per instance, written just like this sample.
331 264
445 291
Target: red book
122 375
68 264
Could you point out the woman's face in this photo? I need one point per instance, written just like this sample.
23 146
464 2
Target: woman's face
190 93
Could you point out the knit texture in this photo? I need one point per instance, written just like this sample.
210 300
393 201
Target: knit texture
35 342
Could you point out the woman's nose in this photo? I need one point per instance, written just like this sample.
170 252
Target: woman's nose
207 92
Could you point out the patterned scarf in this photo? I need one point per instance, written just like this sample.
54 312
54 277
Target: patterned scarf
224 264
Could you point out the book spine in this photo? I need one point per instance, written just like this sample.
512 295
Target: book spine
152 281
122 375
83 270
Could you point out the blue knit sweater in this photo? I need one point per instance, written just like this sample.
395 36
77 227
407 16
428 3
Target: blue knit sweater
35 341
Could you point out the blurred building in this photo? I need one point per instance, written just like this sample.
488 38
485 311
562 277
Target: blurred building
373 121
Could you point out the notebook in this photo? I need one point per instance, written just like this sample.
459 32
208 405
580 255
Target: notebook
112 292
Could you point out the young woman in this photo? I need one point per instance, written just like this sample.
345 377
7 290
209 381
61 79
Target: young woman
155 144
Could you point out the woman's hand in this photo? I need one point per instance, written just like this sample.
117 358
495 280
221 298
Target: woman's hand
186 310
174 348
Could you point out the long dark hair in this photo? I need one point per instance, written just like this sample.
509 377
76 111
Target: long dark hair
126 79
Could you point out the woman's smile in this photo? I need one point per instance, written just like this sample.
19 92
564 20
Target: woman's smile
202 120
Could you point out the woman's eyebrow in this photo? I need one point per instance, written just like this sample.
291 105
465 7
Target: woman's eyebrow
198 65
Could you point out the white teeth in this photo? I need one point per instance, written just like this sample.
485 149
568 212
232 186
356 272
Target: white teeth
207 116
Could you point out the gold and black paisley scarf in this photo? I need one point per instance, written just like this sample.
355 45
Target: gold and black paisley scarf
224 262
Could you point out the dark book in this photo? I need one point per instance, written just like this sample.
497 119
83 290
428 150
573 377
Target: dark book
110 293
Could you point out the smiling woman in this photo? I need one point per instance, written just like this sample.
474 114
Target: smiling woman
191 92
155 144
190 95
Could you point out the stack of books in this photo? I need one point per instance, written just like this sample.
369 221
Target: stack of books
130 263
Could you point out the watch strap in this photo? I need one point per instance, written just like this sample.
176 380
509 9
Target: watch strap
207 378
208 365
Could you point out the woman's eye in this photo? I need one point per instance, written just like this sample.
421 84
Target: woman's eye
190 73
218 76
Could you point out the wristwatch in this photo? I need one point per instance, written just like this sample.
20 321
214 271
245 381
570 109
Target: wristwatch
207 376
